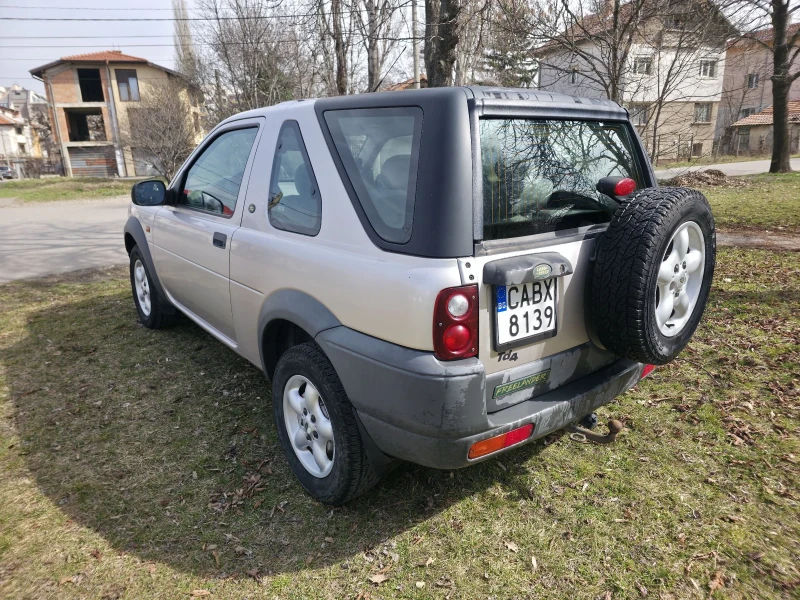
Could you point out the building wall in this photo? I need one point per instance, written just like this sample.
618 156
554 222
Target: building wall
66 95
10 142
757 140
677 133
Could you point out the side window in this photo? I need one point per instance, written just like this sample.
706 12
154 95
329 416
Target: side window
213 181
379 148
294 199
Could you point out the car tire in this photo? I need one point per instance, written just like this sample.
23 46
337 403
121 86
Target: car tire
306 370
154 311
651 274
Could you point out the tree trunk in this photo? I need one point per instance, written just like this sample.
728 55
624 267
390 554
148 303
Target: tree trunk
781 83
441 40
339 48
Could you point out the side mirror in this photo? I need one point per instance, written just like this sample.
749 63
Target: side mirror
149 193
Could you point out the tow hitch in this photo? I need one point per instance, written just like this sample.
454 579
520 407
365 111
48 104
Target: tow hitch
579 434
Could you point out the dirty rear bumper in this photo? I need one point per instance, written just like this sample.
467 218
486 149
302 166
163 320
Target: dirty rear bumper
417 408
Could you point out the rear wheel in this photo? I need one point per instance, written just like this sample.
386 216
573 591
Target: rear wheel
317 427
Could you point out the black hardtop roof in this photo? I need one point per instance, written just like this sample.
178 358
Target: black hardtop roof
489 101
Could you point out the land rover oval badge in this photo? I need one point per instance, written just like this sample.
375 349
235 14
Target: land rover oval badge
542 271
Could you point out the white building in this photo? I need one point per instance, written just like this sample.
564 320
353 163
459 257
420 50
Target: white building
670 81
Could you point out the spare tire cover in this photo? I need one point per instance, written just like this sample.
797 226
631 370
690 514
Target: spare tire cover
651 274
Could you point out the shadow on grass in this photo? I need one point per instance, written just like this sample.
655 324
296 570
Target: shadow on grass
163 442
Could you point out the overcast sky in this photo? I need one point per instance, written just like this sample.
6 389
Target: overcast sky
21 42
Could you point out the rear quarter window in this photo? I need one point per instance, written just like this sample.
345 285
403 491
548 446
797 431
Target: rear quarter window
379 148
540 175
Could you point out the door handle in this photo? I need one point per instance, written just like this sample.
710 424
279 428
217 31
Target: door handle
220 239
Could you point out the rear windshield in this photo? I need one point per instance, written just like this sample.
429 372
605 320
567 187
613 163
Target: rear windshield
540 175
379 148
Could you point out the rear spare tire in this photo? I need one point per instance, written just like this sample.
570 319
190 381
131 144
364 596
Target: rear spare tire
652 274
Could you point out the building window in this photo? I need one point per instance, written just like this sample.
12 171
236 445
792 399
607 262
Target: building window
702 112
18 130
22 148
674 22
128 85
573 76
752 81
708 68
746 112
640 113
697 149
642 65
91 85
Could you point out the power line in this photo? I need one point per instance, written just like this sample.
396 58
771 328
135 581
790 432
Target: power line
78 8
214 18
18 47
86 37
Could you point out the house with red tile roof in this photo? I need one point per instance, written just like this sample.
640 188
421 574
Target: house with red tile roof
91 98
747 87
753 133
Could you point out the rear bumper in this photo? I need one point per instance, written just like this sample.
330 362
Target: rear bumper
419 409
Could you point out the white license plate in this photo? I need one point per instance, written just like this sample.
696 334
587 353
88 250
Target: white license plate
523 311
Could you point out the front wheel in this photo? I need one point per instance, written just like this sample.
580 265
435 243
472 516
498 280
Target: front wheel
153 310
317 427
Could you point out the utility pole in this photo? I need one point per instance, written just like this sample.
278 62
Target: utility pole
415 42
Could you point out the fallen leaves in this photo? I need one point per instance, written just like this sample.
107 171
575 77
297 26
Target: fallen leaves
199 593
378 578
512 546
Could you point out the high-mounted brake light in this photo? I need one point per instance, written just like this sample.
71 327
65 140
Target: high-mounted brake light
498 442
616 186
625 187
455 323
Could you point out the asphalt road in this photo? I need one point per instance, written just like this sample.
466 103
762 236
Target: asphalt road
56 237
750 167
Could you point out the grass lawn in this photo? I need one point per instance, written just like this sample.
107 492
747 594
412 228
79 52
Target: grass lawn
769 201
711 160
65 188
141 464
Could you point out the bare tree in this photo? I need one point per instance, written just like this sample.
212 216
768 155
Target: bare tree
441 40
597 36
377 25
784 46
247 58
474 31
185 52
160 130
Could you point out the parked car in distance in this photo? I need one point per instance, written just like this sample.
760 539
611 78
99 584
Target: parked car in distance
7 172
434 276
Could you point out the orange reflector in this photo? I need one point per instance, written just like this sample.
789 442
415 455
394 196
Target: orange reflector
498 442
647 370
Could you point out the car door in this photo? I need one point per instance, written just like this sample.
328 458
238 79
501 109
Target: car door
192 236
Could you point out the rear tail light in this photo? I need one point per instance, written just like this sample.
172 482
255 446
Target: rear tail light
498 442
455 323
647 370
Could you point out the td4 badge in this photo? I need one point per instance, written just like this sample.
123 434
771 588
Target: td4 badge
512 356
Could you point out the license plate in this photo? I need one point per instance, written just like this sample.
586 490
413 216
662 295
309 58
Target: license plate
524 312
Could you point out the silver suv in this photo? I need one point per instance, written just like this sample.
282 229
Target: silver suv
434 276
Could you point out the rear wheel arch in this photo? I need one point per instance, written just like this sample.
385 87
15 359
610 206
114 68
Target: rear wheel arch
289 318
